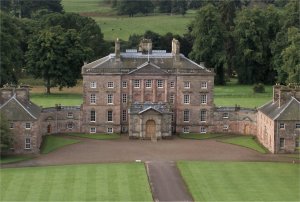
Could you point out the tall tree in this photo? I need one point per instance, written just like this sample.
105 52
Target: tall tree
56 55
6 137
11 52
208 32
132 7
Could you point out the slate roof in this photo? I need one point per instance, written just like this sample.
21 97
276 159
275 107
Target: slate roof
132 60
16 110
289 111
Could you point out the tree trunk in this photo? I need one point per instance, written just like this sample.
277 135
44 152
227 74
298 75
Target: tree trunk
48 86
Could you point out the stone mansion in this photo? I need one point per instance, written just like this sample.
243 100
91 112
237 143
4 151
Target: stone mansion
152 94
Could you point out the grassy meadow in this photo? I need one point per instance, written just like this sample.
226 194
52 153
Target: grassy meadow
95 182
241 181
51 143
96 136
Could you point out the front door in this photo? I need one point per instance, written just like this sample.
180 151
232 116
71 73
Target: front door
150 129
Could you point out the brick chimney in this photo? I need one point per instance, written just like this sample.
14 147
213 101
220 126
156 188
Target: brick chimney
22 94
145 46
176 49
117 49
6 94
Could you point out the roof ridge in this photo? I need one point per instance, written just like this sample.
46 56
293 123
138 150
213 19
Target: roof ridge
283 109
12 97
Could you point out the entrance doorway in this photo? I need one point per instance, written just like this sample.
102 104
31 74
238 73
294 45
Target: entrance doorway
49 128
150 129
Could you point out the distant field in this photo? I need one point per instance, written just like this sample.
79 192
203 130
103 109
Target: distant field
65 99
114 26
97 182
242 181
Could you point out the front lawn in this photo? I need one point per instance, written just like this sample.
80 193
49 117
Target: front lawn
51 143
13 159
97 136
245 141
242 181
94 182
199 136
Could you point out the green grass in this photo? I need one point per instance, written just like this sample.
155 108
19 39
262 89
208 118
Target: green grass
97 136
245 141
198 136
66 99
13 159
86 6
51 143
234 94
97 182
242 181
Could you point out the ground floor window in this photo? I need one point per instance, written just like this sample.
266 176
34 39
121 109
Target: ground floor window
92 130
186 129
202 129
110 130
70 125
11 125
225 127
124 129
27 143
281 143
297 143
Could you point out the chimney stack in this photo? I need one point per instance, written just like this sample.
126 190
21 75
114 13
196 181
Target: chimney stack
176 49
117 49
145 46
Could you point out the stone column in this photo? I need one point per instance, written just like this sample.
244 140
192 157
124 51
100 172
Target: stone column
166 90
130 86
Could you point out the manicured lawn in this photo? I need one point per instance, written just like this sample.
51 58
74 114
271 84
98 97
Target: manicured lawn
97 182
66 99
245 141
13 159
51 143
199 136
97 136
242 181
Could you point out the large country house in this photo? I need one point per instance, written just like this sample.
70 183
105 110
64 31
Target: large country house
152 94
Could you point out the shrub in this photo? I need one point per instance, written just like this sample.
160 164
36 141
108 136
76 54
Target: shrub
259 88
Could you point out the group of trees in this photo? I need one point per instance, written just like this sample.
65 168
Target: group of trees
47 44
260 45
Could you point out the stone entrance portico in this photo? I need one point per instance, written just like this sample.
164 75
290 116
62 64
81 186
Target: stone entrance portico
149 121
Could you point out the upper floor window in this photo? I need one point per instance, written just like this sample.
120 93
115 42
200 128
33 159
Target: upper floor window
124 98
297 125
136 83
93 84
124 84
186 115
70 115
27 143
110 84
172 98
11 125
160 83
225 115
203 115
124 115
148 83
27 125
203 99
110 99
93 99
172 84
281 125
187 84
109 116
186 99
93 116
204 85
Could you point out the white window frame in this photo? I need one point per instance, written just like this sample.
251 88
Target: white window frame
93 98
110 84
148 83
109 115
93 130
27 126
92 116
93 84
203 98
203 115
172 84
136 83
186 129
124 84
186 99
203 85
281 146
70 124
186 115
124 115
27 143
11 125
110 130
202 129
70 115
225 115
225 127
124 98
187 84
281 124
110 99
160 83
297 126
172 99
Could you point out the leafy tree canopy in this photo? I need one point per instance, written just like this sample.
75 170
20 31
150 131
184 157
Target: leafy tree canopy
132 7
6 140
